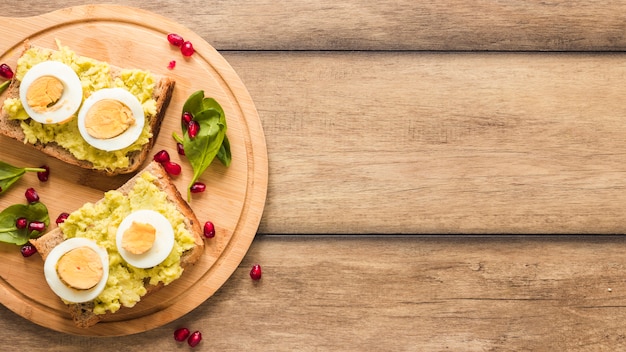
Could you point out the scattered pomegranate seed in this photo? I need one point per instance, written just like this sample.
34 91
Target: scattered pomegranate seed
197 187
180 149
255 273
172 168
181 334
171 65
43 176
61 218
5 71
27 250
193 129
31 195
194 338
209 229
175 39
187 49
36 226
21 223
162 156
186 118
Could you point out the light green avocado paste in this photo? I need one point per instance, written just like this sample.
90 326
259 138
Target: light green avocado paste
94 75
99 222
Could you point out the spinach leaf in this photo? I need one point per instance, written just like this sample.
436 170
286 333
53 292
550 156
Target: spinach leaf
9 233
4 86
10 174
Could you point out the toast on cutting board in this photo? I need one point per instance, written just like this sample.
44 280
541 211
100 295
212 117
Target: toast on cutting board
150 189
62 140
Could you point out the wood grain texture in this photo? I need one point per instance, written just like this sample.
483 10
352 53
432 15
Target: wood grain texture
399 25
398 294
417 142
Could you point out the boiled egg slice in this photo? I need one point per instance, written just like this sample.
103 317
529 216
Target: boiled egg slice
111 119
77 270
145 238
51 92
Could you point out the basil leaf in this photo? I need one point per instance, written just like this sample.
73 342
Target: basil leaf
9 233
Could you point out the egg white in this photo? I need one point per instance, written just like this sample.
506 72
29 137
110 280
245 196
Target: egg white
61 289
72 92
163 241
125 139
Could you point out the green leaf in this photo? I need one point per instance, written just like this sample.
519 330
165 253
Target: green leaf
224 154
4 86
10 174
9 233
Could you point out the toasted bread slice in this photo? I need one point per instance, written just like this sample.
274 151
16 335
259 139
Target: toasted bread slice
83 313
161 94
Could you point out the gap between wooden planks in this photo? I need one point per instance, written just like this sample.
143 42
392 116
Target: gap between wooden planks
421 142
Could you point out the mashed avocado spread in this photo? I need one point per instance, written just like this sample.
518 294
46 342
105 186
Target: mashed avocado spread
99 222
94 75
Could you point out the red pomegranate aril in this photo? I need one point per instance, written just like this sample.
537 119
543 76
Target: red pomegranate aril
172 168
209 229
197 187
27 250
175 39
194 338
36 226
193 129
171 65
181 334
162 156
180 148
255 273
186 118
61 218
21 223
187 49
43 176
5 71
31 195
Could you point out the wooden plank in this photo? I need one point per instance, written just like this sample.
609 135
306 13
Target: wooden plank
431 294
386 25
441 143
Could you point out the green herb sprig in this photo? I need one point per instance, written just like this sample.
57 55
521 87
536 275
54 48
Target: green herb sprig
10 174
211 140
9 232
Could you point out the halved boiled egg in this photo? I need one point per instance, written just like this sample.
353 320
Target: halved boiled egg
111 119
145 238
51 92
77 270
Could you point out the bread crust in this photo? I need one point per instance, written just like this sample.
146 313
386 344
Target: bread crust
162 94
82 313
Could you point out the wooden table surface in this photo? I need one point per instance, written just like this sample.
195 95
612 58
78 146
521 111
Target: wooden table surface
443 176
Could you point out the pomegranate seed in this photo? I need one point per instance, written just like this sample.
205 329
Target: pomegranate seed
209 229
180 149
5 71
175 39
186 118
31 195
21 223
162 156
61 218
36 226
181 334
43 176
194 338
187 49
193 129
197 187
255 273
27 250
172 168
171 65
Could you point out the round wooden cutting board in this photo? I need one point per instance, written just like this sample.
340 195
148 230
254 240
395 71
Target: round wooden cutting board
235 195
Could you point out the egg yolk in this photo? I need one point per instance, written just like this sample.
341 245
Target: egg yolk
44 93
138 238
80 268
108 118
